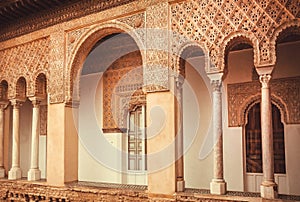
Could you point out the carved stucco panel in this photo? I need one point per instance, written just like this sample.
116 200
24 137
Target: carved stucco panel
23 61
156 71
57 65
285 92
210 22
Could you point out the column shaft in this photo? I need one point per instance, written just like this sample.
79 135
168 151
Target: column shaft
16 137
180 184
15 171
2 108
218 184
34 173
268 187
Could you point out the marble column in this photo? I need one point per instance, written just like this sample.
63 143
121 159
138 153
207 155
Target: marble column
15 171
218 184
34 172
3 105
268 187
180 183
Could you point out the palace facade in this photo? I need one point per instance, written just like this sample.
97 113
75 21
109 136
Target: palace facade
161 100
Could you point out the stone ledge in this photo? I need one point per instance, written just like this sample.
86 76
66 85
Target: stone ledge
22 190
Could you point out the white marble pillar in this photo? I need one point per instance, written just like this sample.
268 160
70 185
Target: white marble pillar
3 105
15 171
34 172
268 187
180 183
218 184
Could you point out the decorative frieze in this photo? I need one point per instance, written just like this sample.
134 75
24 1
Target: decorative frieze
61 14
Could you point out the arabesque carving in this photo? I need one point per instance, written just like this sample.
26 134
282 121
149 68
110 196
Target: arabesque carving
210 22
285 92
157 63
22 61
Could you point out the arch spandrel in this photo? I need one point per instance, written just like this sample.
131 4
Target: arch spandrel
82 48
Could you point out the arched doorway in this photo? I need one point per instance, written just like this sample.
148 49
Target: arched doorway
110 77
253 148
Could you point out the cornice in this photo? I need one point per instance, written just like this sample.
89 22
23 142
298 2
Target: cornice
59 15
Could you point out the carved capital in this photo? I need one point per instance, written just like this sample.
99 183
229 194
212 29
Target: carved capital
16 103
216 85
3 104
179 82
265 80
36 101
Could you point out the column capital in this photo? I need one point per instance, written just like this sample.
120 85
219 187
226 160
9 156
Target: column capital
3 104
216 85
16 103
36 101
265 69
216 81
179 80
265 80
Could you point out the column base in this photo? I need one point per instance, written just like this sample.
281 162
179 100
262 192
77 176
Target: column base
34 174
2 172
218 187
269 190
180 186
15 173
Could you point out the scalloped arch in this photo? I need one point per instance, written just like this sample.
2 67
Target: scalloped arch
239 37
187 45
256 99
83 47
278 31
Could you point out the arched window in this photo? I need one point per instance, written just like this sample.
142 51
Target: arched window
253 141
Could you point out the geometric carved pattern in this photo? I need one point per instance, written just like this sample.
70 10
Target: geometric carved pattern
156 71
209 22
24 60
285 93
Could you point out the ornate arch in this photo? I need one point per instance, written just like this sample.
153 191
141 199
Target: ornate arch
20 90
40 84
256 99
83 47
187 45
292 24
3 90
235 38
